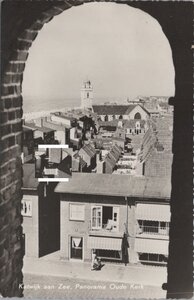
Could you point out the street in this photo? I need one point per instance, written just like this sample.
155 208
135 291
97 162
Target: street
37 286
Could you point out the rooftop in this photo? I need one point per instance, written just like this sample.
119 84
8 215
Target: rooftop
113 109
34 127
64 116
116 185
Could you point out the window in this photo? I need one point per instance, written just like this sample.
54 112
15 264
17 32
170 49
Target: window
109 254
137 116
105 217
26 209
77 212
153 258
97 217
153 227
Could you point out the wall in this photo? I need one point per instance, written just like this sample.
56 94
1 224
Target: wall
49 219
60 120
31 227
138 109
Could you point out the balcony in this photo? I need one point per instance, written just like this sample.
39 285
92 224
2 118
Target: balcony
152 231
107 229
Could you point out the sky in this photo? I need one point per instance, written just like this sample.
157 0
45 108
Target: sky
121 50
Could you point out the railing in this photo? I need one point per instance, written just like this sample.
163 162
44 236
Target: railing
105 227
153 230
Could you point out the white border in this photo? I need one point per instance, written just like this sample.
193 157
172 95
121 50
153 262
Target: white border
52 146
53 179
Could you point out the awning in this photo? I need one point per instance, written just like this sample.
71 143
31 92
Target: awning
104 243
151 246
153 212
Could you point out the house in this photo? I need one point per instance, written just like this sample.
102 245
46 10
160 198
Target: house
156 148
54 163
127 112
63 119
78 164
41 215
97 209
131 127
41 135
88 154
61 131
111 159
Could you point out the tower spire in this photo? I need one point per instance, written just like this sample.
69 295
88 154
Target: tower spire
86 95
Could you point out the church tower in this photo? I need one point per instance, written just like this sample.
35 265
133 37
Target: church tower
86 95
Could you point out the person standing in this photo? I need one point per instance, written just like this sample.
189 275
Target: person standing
125 246
93 258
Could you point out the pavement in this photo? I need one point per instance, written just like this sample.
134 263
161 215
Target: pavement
52 265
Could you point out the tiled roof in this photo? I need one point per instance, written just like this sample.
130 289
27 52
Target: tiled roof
157 138
132 123
130 108
116 185
89 150
112 123
113 109
113 156
29 180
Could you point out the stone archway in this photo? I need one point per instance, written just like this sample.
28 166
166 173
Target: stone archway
21 21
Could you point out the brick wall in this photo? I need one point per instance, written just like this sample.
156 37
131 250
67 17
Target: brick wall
20 23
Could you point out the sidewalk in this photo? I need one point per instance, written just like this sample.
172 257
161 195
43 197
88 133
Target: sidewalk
51 265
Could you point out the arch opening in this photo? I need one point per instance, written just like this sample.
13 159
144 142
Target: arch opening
13 75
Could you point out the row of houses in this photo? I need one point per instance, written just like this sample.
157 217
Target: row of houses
131 127
93 212
155 155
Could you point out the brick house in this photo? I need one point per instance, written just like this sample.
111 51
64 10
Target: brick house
97 209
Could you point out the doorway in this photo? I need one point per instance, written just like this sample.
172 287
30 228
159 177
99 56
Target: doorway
76 248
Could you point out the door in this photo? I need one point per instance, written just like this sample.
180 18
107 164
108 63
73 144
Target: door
76 251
